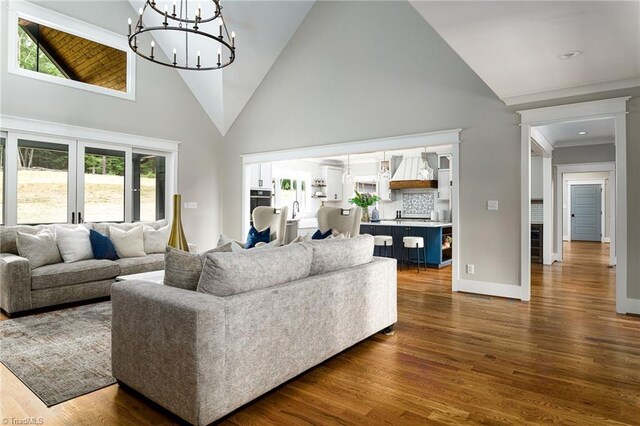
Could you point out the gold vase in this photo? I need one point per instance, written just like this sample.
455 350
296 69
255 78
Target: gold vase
176 236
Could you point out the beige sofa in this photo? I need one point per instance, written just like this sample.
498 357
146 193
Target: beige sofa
23 288
202 355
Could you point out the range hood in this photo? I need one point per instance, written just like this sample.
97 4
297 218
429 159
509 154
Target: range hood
406 174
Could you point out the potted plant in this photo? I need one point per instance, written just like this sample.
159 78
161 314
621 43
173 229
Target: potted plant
364 201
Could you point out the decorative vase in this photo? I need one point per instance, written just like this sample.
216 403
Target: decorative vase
365 214
177 239
375 215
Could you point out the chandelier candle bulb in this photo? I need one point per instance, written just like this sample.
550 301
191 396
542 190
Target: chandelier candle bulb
166 13
221 27
129 22
174 8
153 44
175 52
198 65
219 55
199 11
233 39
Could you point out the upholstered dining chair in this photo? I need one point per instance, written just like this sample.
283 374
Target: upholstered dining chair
342 221
274 218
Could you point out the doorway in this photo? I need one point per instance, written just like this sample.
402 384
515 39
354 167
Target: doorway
611 109
586 212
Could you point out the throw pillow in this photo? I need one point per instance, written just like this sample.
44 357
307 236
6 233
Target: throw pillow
235 246
302 238
40 249
74 243
128 243
182 269
272 244
254 237
319 235
102 246
155 240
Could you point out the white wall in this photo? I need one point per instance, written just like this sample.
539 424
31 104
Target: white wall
364 70
164 108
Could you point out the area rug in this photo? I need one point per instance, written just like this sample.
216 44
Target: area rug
61 354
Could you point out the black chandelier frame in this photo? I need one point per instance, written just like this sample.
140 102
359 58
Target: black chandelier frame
183 27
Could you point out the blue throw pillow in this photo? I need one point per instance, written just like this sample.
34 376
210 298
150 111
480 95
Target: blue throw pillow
320 236
102 246
256 237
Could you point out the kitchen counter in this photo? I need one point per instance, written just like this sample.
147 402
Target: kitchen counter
408 222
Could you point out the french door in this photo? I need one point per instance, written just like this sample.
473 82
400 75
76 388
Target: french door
57 180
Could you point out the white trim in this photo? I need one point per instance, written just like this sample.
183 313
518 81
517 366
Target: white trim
45 128
544 143
603 208
585 167
631 306
510 291
565 92
454 199
606 240
21 9
547 198
584 142
565 238
609 108
445 137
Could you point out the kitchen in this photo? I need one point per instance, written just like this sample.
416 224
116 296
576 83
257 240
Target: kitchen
413 186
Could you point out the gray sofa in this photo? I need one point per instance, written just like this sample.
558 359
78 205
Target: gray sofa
23 288
201 356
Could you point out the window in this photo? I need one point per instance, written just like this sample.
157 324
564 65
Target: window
50 46
104 185
43 182
2 203
148 187
293 188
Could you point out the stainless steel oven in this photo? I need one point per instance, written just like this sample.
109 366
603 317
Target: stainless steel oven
259 197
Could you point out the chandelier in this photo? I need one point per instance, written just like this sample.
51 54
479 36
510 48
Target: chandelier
186 24
347 176
425 172
385 169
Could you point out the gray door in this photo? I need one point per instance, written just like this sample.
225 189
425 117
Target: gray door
585 212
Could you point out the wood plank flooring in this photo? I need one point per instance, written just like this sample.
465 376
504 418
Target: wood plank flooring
565 357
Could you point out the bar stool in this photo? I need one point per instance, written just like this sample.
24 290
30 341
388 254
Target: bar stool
385 241
416 243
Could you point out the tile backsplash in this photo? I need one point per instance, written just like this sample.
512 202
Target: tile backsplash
418 203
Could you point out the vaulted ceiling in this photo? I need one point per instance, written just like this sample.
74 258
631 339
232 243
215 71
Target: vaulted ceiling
512 46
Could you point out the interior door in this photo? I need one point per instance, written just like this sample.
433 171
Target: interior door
586 211
104 183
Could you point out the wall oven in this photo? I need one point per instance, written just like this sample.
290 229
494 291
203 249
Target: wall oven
259 197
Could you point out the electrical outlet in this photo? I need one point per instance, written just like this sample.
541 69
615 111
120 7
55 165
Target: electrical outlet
492 205
471 268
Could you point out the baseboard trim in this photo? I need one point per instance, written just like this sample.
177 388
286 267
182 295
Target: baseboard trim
490 289
566 238
606 240
631 306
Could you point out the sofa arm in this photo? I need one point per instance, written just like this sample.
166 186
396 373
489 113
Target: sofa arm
15 283
169 344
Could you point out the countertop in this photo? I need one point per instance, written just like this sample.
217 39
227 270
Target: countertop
407 222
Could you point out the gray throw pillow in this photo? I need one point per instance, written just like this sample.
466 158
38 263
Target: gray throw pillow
182 269
226 274
340 253
40 249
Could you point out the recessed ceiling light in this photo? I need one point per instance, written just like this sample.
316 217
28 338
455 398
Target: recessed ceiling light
570 55
582 133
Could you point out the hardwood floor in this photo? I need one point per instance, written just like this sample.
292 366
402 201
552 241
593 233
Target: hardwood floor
565 357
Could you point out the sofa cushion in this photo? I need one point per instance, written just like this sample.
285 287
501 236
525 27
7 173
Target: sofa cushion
182 269
103 228
226 274
63 274
40 249
137 265
340 253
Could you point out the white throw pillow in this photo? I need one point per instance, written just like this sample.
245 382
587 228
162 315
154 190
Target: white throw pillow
235 246
74 243
40 249
155 240
128 243
302 238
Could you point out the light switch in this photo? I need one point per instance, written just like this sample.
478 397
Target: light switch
492 205
191 205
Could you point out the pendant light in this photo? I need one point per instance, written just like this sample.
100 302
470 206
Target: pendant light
347 176
385 170
426 172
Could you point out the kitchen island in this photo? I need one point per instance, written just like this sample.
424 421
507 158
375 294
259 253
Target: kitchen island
436 249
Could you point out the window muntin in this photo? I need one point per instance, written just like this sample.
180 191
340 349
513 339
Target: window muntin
3 144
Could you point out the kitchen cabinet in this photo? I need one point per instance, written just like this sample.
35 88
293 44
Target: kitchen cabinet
261 176
333 178
444 184
384 191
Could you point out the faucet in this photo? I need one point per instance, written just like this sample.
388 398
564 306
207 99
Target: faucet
295 204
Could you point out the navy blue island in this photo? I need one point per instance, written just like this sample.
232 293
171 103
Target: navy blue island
437 239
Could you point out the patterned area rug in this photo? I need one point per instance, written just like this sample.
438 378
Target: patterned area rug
62 354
